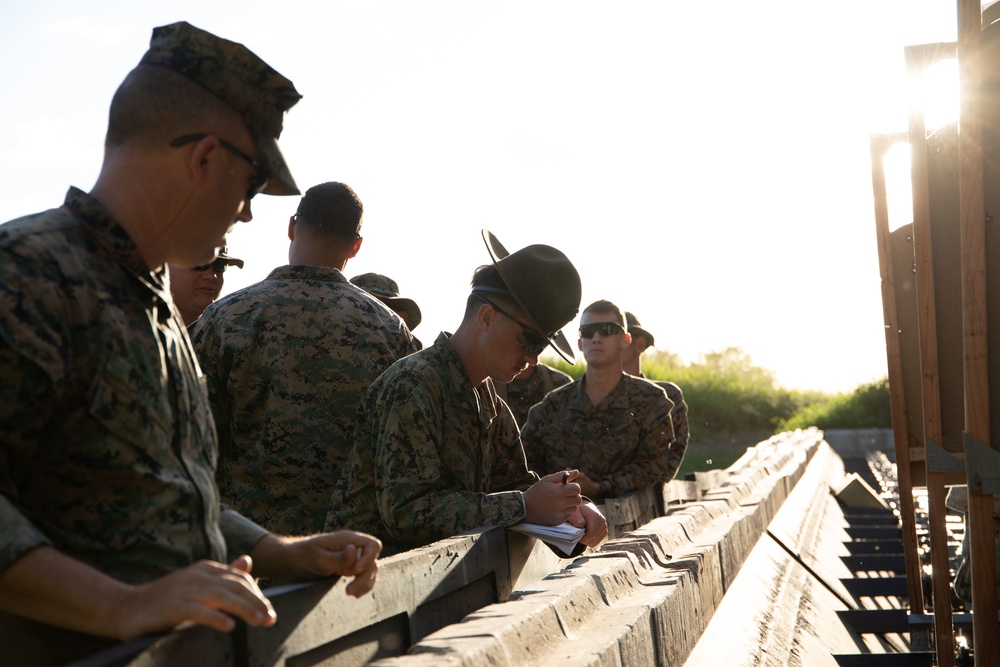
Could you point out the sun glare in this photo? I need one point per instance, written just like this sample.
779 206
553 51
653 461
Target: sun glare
937 94
898 188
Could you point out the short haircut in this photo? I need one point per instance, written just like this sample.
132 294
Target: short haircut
155 105
488 275
605 306
332 210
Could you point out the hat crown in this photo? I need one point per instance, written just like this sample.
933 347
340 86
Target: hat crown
545 285
238 77
377 284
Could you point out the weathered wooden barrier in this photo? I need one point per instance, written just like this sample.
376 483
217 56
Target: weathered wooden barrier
648 592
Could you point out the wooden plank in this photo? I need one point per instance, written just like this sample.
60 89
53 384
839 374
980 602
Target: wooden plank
982 549
917 60
880 145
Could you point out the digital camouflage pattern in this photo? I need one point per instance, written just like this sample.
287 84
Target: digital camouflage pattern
287 361
623 439
108 444
433 456
679 420
520 394
239 78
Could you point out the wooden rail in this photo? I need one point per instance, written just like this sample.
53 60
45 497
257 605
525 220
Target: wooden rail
423 590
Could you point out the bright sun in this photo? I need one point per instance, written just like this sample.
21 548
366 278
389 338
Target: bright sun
936 92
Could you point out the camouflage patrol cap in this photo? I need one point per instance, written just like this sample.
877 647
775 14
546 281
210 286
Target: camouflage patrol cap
240 79
545 285
386 290
633 325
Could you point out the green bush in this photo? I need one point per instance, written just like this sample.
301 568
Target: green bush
865 407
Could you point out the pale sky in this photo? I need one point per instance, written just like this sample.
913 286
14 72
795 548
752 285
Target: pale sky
704 165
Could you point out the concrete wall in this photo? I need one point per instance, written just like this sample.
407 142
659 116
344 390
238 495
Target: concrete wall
859 442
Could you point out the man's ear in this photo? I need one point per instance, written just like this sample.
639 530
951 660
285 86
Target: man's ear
291 228
201 155
484 316
626 340
355 248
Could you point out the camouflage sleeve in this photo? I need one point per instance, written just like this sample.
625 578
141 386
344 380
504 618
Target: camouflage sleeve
510 469
23 402
424 482
679 420
241 533
408 344
32 362
653 432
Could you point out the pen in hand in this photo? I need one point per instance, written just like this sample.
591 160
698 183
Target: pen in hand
565 477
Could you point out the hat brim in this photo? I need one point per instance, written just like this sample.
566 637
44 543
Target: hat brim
280 181
403 303
558 340
642 332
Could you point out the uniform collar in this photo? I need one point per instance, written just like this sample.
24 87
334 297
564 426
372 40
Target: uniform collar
307 272
113 238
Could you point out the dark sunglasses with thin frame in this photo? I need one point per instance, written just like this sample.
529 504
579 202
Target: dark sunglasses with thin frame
604 328
531 341
219 265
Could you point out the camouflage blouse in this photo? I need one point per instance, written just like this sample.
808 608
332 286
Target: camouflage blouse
623 439
107 444
433 456
287 361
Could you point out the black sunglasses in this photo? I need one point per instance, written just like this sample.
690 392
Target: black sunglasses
530 340
604 328
260 178
218 266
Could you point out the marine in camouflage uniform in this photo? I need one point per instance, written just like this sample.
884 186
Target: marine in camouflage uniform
624 439
433 456
522 392
109 446
679 421
287 362
437 452
631 363
107 443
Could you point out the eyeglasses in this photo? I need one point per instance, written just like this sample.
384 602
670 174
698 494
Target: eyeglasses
530 340
218 266
260 178
604 328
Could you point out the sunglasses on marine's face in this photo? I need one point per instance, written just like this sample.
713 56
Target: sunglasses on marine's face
530 340
218 266
604 328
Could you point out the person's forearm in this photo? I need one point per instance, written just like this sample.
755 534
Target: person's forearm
272 559
48 586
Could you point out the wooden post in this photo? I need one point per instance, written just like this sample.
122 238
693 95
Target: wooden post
917 59
974 314
880 145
